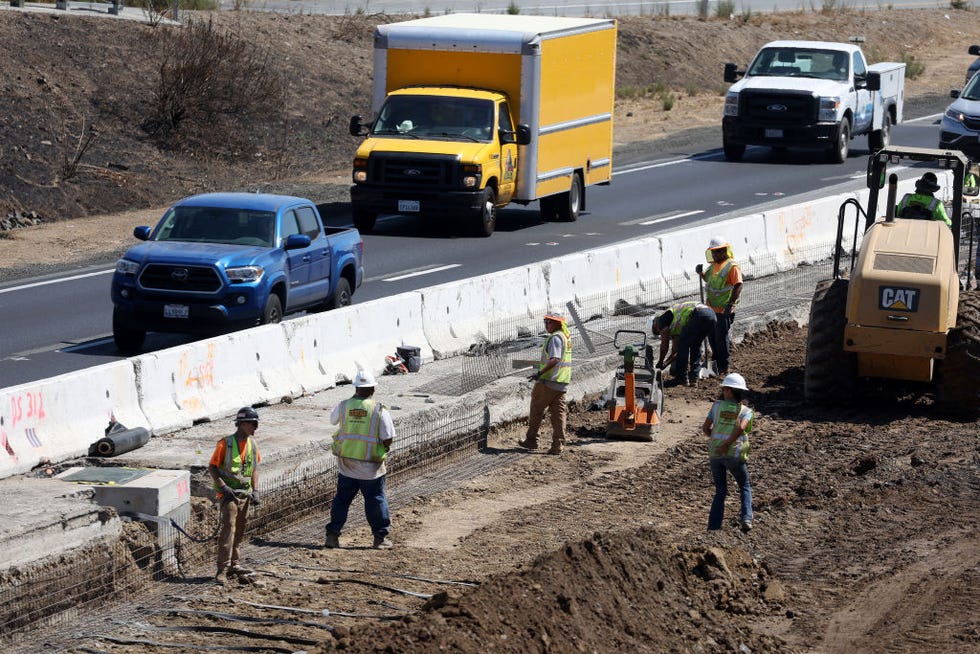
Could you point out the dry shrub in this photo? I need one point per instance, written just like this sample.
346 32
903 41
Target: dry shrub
211 79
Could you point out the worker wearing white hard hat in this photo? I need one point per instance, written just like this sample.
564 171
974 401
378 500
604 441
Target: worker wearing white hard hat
361 445
722 288
728 426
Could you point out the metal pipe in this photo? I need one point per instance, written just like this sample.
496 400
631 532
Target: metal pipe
121 442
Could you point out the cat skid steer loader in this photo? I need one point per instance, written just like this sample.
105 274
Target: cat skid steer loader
898 311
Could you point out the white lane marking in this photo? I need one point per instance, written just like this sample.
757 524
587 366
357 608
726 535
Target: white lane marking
421 272
55 281
894 169
674 217
915 120
86 345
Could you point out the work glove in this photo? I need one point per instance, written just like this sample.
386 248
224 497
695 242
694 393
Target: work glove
254 498
227 494
699 269
729 309
533 377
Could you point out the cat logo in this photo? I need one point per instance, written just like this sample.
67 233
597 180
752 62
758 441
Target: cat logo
357 413
892 298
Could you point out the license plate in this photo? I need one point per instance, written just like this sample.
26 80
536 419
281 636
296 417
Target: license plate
774 133
176 311
408 206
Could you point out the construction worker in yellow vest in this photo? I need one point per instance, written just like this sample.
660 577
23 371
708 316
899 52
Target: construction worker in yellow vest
722 289
728 425
923 204
682 329
550 384
234 470
361 446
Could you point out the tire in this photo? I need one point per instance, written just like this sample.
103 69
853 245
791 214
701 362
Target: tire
364 221
958 383
733 151
830 373
341 296
838 153
569 204
879 139
128 340
272 313
486 220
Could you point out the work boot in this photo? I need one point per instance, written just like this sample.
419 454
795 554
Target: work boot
746 526
221 577
528 444
382 543
239 571
556 449
333 540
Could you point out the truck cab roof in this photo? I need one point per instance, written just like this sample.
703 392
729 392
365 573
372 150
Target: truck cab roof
819 45
247 201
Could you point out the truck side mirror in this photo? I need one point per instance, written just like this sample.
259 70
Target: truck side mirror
974 50
142 232
523 134
356 128
732 73
297 242
873 81
954 93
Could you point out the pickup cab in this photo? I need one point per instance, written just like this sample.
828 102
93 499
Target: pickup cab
811 94
223 261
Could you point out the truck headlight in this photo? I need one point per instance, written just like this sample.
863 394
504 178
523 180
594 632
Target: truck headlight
127 267
958 116
360 170
244 274
828 110
731 104
471 175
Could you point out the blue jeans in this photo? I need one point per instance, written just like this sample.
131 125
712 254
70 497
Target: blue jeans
720 467
375 504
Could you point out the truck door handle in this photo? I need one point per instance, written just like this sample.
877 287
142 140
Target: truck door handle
306 258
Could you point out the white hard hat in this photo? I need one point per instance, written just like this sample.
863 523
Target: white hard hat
734 380
363 379
717 242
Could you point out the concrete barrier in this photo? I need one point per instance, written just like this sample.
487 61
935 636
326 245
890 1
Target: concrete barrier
55 419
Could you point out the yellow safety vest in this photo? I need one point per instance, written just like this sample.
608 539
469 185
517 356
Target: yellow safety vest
561 373
359 436
236 469
716 291
724 418
682 313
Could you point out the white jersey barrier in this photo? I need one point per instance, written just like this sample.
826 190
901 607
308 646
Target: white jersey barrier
56 419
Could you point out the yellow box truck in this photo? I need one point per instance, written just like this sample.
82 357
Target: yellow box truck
475 111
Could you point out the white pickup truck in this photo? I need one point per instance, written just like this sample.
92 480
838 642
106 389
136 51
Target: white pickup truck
813 94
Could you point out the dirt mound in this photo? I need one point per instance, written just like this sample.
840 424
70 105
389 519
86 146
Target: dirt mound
626 592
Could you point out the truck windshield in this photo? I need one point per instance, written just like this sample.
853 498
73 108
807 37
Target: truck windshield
217 225
431 116
801 62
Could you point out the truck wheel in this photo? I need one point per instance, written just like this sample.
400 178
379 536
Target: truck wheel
364 220
272 313
879 139
830 373
958 383
569 204
486 220
838 153
733 151
341 296
127 339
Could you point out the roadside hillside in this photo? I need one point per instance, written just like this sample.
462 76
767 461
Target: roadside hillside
91 128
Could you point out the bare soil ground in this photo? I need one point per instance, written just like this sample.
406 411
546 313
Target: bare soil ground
68 78
864 541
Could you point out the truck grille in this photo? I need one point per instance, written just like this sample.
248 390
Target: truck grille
412 170
782 108
972 122
190 279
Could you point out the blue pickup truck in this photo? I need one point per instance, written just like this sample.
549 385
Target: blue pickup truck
224 261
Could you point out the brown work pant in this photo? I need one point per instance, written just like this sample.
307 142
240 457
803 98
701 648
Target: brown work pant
233 519
543 398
